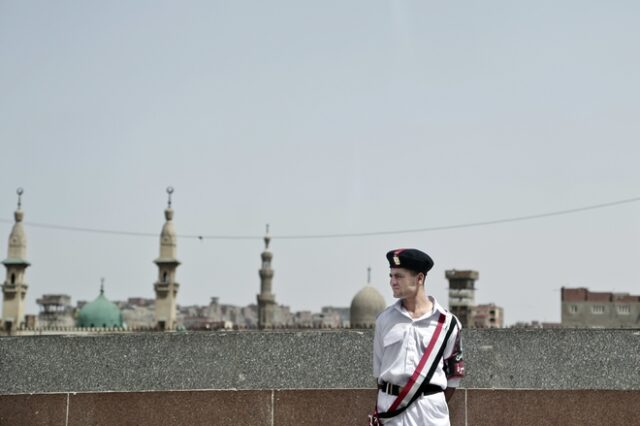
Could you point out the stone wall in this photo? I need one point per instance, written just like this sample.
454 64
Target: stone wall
515 377
313 407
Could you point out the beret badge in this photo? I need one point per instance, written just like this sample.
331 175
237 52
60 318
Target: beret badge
411 259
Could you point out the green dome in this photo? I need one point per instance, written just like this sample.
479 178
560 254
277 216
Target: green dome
100 314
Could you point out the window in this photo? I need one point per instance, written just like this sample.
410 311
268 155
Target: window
597 309
623 309
573 309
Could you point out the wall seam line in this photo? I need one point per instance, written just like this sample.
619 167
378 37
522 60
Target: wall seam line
66 422
465 408
273 407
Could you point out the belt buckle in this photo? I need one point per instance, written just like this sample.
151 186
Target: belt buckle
389 388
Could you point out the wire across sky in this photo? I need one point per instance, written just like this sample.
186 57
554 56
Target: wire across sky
340 235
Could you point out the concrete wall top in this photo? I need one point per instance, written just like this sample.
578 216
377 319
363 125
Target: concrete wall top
503 359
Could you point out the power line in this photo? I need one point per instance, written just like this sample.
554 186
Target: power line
343 235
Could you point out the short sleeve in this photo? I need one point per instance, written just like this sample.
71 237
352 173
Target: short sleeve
453 357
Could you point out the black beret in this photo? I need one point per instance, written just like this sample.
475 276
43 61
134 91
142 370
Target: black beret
412 259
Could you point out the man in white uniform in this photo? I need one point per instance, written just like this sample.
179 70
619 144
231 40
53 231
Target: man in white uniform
403 333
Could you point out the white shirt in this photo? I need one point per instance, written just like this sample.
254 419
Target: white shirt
398 346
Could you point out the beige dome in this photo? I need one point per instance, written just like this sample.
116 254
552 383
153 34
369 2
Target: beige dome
365 307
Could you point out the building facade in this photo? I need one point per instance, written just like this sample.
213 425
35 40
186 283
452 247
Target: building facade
588 309
462 294
462 303
56 311
487 316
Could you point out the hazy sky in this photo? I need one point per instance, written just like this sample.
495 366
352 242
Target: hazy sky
321 118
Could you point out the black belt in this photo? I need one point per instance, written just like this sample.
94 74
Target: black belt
394 390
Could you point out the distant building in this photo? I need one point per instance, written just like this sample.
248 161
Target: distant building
55 311
227 316
196 317
487 316
462 294
138 313
462 302
303 319
341 316
584 308
536 324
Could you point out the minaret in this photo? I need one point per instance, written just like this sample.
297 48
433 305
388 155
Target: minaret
266 299
14 288
166 287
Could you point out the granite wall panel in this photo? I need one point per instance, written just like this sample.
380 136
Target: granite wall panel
171 408
339 407
330 407
457 408
33 410
552 407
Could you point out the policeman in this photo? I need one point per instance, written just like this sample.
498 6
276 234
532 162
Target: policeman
412 335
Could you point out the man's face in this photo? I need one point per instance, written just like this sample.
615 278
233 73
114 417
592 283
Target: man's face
404 283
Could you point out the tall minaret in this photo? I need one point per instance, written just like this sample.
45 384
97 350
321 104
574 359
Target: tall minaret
266 299
166 287
14 288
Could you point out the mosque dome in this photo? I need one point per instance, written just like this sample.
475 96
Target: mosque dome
365 307
101 313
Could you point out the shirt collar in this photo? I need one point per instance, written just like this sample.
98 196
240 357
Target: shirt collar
437 308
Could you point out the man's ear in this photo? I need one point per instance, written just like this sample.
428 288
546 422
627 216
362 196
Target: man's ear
421 277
